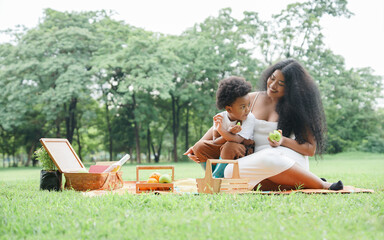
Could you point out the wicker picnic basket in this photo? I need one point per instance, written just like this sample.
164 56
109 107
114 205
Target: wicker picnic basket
93 181
76 176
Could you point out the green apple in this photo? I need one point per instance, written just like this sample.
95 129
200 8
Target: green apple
275 135
238 124
165 178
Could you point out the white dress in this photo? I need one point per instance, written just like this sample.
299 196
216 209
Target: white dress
267 161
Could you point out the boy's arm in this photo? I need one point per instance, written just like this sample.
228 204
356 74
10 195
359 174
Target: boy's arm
230 137
216 134
224 132
220 140
217 139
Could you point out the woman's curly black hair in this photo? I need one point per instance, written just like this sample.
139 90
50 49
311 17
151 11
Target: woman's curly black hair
300 109
230 89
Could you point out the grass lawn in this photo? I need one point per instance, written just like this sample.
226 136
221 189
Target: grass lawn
27 213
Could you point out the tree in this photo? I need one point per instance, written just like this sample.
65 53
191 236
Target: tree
107 73
146 64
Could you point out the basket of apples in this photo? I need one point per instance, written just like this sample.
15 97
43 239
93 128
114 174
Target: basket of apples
156 181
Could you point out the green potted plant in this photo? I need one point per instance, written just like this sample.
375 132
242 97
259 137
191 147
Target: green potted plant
50 177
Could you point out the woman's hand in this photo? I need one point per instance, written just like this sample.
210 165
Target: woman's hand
274 143
191 155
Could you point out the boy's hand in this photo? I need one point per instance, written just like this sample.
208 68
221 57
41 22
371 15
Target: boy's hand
218 121
234 129
192 155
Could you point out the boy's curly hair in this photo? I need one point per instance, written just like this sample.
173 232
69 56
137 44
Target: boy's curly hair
230 89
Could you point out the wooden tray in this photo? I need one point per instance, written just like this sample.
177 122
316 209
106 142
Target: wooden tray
143 186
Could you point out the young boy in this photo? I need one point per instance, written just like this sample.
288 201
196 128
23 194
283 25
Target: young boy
235 124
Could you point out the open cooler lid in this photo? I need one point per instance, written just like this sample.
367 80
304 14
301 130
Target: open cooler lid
62 154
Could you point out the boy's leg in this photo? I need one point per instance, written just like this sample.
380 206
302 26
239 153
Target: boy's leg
230 151
219 170
205 150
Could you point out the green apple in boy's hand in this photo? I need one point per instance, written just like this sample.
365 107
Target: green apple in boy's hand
238 124
165 178
275 136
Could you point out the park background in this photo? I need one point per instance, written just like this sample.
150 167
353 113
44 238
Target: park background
112 87
142 78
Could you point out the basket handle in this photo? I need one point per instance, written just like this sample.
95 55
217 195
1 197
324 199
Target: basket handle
106 181
121 182
235 173
154 168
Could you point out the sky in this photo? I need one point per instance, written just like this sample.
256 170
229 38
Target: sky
359 39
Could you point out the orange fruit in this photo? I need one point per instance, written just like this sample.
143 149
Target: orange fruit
152 180
155 175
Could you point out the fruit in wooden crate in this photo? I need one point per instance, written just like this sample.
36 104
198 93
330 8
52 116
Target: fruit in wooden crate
165 178
152 180
155 175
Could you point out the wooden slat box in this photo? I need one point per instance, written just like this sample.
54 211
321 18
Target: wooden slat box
208 184
143 186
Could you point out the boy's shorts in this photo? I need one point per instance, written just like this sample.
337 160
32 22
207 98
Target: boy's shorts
206 149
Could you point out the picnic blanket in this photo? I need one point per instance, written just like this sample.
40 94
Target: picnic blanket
189 186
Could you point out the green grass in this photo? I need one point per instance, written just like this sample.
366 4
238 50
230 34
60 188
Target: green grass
27 213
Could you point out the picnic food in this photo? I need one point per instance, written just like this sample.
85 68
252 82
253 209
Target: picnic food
275 136
155 175
165 178
152 180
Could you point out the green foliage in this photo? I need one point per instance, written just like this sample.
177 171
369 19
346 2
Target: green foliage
373 143
110 87
43 157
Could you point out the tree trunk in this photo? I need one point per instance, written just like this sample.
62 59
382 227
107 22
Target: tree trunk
131 154
175 126
13 149
78 141
30 153
137 127
109 129
148 144
156 153
70 120
187 129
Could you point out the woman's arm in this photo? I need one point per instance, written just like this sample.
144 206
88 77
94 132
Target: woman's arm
307 148
208 135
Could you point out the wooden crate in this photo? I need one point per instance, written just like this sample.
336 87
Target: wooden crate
208 184
143 186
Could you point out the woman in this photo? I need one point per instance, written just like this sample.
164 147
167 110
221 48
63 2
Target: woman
291 103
